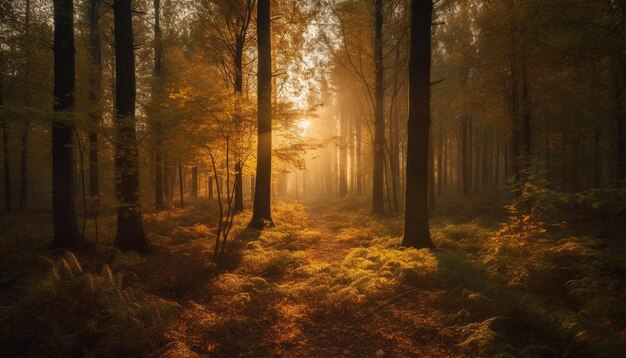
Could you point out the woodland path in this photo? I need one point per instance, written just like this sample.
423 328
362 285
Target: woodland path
278 325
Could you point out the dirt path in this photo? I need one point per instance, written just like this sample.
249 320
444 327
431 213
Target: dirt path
280 325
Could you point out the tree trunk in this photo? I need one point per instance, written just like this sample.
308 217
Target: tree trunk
194 181
5 145
252 188
440 161
359 167
24 166
416 226
181 184
95 91
27 103
515 125
238 61
210 188
526 119
431 175
159 162
64 216
261 214
466 157
621 136
379 122
343 155
130 233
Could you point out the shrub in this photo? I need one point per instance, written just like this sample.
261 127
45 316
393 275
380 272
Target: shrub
100 316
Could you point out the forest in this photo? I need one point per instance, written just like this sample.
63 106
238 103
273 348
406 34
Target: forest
313 178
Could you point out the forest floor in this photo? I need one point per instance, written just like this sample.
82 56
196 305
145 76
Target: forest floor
328 281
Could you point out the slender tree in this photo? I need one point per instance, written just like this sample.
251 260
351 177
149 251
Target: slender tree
130 233
232 27
5 145
28 54
241 25
262 214
157 87
416 227
379 121
95 91
64 219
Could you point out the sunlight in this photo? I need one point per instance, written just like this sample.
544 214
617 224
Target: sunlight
304 125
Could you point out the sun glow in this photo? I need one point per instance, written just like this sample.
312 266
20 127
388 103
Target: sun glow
304 125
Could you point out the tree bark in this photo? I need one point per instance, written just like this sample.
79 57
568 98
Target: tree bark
359 164
379 121
431 175
440 161
8 207
526 118
210 187
261 214
620 120
238 61
130 233
466 156
416 225
7 168
27 103
64 216
95 91
181 184
159 162
194 181
343 155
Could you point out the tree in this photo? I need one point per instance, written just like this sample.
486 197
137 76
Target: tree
28 54
5 145
230 20
95 91
379 108
262 214
416 227
159 163
130 233
64 219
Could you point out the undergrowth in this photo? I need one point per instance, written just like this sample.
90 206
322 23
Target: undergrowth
100 316
519 286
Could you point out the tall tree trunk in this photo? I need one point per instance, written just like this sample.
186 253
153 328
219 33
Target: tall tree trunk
181 184
261 214
194 181
526 118
431 175
210 187
379 121
596 172
238 61
446 169
5 145
416 226
130 233
359 163
27 103
620 119
7 169
63 206
440 161
466 155
395 157
496 171
159 162
343 155
95 92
